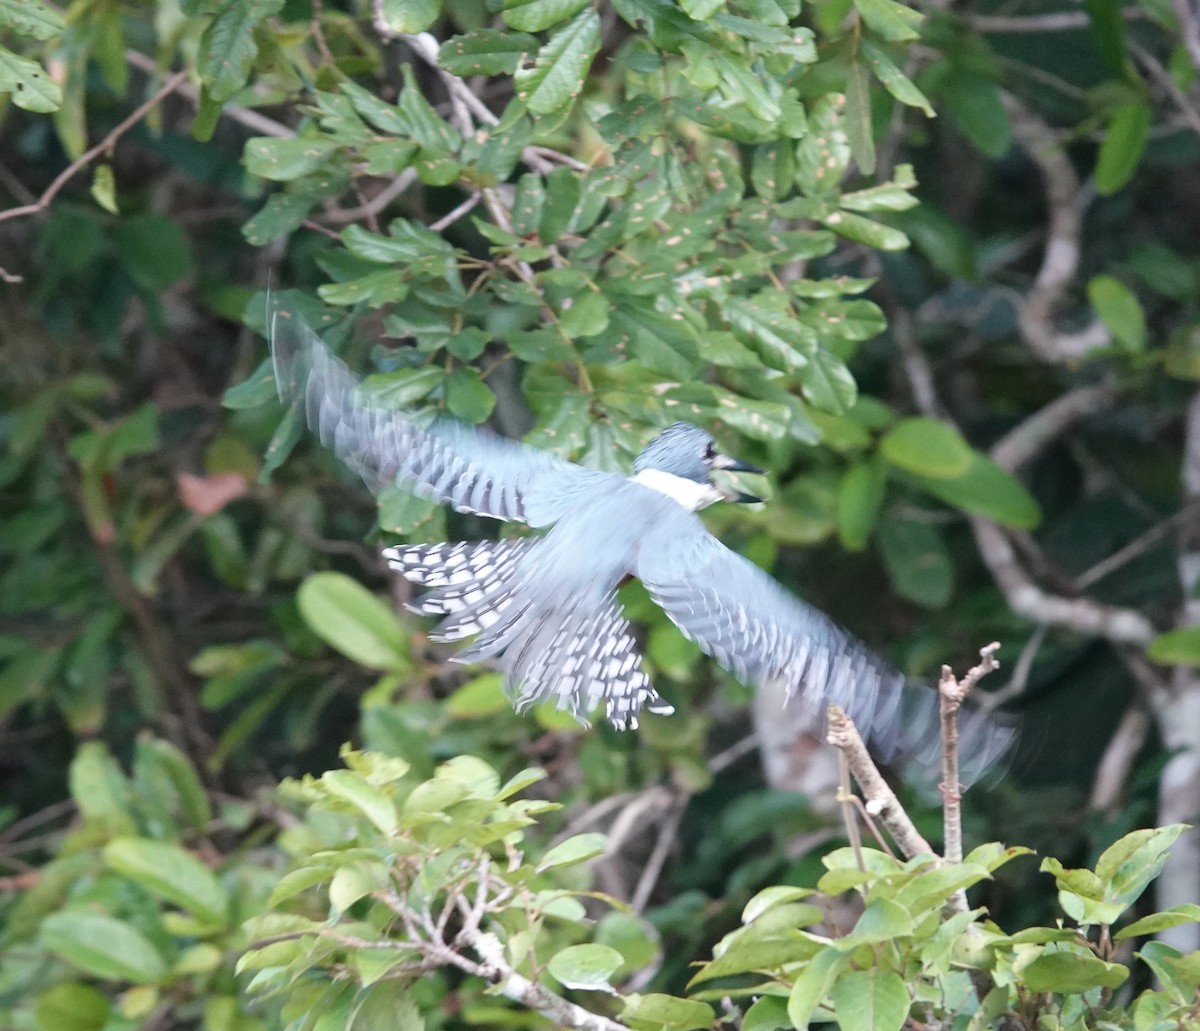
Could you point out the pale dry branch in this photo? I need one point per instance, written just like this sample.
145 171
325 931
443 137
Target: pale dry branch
881 800
1112 773
1065 203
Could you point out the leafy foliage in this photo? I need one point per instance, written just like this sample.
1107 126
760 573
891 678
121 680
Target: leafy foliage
576 221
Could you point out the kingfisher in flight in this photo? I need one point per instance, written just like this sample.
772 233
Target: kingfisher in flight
544 608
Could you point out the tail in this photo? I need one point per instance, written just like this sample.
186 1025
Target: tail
581 655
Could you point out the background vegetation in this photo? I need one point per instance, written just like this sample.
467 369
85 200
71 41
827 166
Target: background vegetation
934 267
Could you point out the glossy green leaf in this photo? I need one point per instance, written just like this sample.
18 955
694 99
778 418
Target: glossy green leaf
871 1000
667 1012
228 47
892 79
28 84
410 15
1186 913
539 15
283 159
892 20
927 446
1179 647
973 100
103 946
485 52
575 849
467 396
347 616
556 76
1122 147
859 130
1119 309
811 987
860 495
31 18
369 800
171 873
1072 971
917 561
987 490
585 966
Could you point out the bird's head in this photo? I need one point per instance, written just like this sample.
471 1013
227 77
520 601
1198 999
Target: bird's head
683 452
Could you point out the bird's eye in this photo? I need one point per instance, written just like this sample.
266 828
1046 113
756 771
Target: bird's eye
710 452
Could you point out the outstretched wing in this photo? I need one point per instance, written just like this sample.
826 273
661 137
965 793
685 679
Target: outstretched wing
761 633
471 469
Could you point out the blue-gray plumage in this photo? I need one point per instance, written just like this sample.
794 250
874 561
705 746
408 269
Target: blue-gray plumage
545 607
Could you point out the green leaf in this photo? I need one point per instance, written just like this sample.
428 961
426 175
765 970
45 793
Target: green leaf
1070 971
411 15
917 561
562 63
369 800
666 1012
864 230
481 696
586 966
31 18
1176 647
1119 309
282 159
858 118
860 495
1187 913
769 898
30 86
347 616
228 47
827 383
928 447
100 789
539 15
813 984
893 21
527 204
987 490
468 396
71 1006
1129 864
103 946
893 80
104 188
1107 23
401 388
574 850
941 239
586 316
171 873
871 1000
882 920
485 52
973 101
1122 147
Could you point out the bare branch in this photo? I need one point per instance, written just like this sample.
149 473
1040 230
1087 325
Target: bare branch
519 988
88 156
1065 203
1045 426
1112 774
662 848
880 799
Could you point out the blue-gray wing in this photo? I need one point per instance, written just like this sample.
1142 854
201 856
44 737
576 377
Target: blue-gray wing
762 634
471 469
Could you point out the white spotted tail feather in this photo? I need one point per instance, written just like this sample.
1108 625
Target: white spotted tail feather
581 660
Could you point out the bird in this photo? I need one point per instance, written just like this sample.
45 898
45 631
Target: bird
545 607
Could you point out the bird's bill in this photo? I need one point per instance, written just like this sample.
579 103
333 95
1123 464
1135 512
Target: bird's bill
735 465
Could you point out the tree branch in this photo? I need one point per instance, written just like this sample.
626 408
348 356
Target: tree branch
881 800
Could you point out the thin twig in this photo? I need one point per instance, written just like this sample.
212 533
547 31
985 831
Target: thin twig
88 156
658 856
